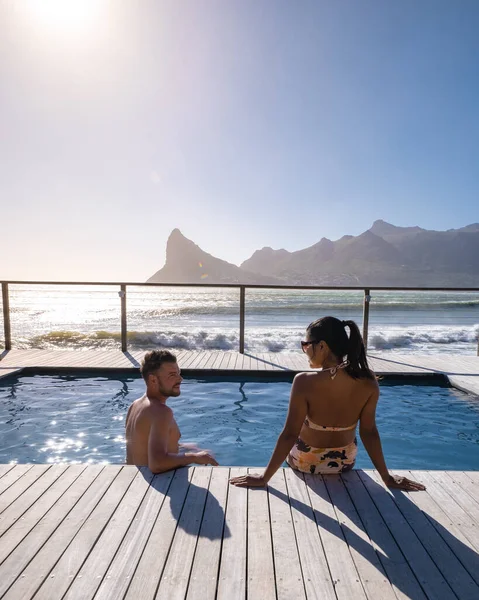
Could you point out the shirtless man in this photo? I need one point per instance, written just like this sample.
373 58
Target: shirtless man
152 435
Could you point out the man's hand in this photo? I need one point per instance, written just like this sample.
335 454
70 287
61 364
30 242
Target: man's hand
403 483
204 458
254 480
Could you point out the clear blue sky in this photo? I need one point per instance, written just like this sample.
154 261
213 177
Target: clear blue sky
245 123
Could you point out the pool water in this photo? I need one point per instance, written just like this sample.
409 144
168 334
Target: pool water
56 418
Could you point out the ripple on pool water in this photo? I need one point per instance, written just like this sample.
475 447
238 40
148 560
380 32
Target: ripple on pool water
64 418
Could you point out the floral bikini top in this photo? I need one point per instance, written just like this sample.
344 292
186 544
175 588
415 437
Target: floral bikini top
311 425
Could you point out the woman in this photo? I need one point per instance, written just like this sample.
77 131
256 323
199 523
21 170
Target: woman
325 406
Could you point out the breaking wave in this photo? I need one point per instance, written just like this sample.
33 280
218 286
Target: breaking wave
281 339
416 338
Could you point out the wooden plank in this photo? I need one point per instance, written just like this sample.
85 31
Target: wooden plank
469 503
446 528
22 484
79 496
297 362
232 576
71 537
474 476
345 576
393 561
316 577
174 581
6 372
10 477
268 366
187 360
451 569
261 578
227 359
218 359
180 355
286 361
148 573
22 527
253 362
429 576
235 361
205 359
456 513
224 360
275 363
121 361
62 555
31 494
204 574
260 361
105 359
462 370
86 560
4 469
246 364
199 360
210 360
124 564
289 578
371 572
466 483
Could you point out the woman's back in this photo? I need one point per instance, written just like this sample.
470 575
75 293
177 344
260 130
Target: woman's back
333 402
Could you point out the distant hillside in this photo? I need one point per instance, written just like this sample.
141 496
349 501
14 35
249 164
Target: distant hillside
188 263
383 255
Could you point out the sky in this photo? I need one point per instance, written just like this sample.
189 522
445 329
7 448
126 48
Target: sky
244 123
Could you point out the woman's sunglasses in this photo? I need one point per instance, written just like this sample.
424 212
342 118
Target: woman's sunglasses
304 345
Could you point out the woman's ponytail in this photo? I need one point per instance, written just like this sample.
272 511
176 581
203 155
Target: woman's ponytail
333 332
358 363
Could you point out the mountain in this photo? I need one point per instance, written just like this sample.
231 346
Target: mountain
188 263
455 251
384 255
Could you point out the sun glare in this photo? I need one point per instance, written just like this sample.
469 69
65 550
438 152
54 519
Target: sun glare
64 15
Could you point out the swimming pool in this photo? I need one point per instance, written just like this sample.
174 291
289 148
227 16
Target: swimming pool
47 418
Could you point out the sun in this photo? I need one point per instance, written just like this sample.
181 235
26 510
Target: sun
64 15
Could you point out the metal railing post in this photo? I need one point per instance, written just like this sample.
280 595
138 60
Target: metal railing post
6 317
367 300
242 312
124 338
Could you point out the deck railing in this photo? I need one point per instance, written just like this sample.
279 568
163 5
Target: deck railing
242 288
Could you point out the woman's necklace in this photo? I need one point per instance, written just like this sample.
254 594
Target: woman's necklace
334 370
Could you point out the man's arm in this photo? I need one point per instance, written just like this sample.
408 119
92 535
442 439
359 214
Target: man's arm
159 459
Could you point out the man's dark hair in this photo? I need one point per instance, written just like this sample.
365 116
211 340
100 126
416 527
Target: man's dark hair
153 360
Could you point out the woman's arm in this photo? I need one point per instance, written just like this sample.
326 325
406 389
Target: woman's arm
369 434
296 414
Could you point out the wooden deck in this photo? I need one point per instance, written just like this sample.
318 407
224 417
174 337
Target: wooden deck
95 531
462 371
83 532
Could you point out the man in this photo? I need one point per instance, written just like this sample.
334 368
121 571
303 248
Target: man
152 435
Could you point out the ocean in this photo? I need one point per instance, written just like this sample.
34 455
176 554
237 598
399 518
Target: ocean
81 317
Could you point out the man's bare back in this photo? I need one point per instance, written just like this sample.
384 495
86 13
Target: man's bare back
140 416
152 434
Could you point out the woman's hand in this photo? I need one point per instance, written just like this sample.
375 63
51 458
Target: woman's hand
403 483
254 480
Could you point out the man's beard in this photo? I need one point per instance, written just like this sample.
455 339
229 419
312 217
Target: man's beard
172 392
